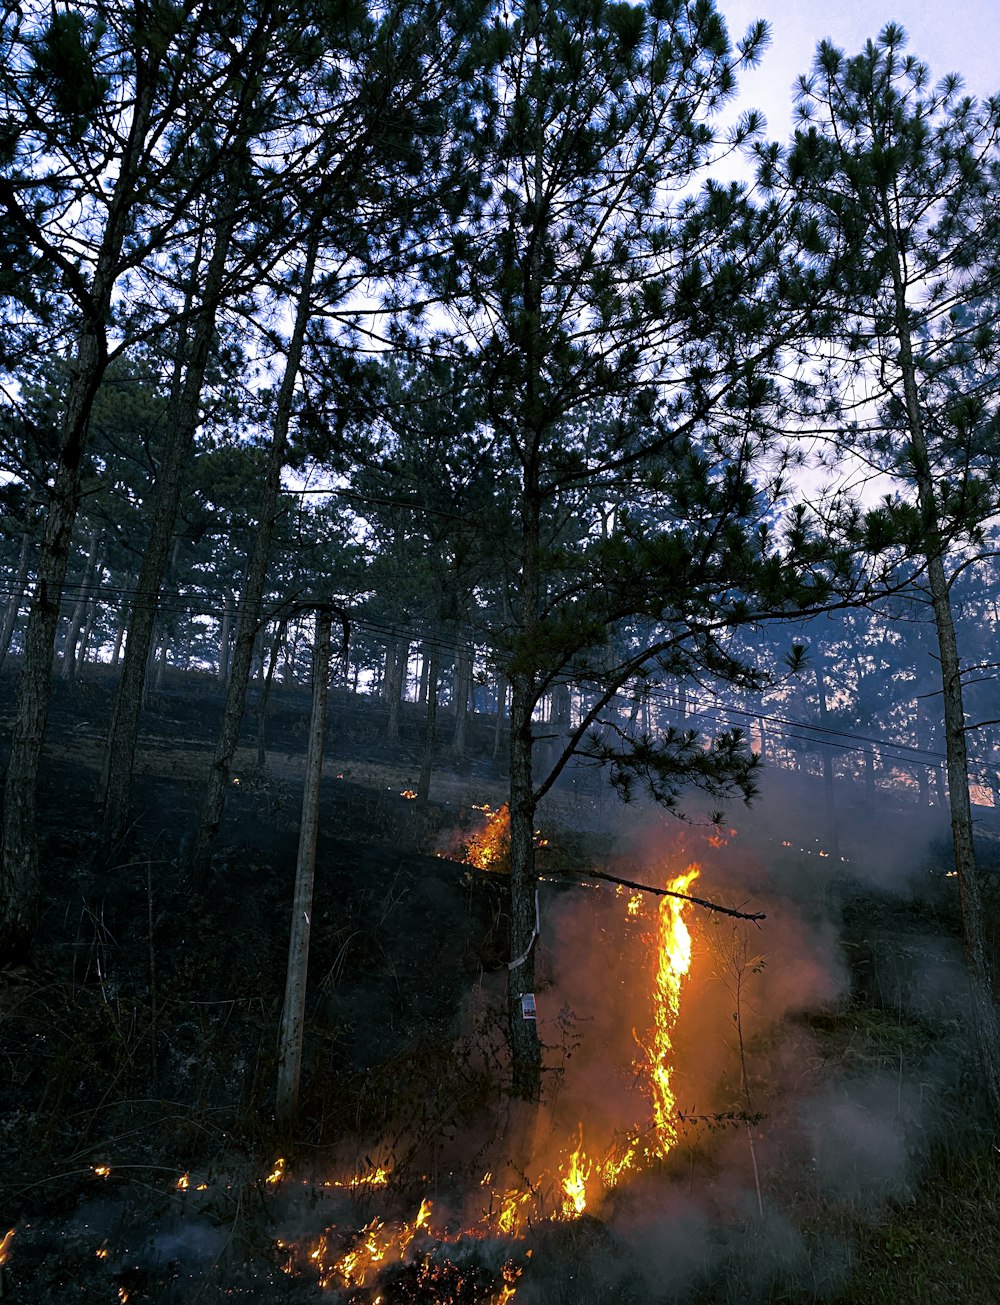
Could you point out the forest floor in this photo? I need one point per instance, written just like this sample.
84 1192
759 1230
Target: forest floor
139 1158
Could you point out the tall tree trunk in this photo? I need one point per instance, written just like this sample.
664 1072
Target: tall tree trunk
119 759
956 752
248 621
19 881
430 727
526 1051
525 1047
294 1008
13 609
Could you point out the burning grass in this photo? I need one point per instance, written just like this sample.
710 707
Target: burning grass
560 1182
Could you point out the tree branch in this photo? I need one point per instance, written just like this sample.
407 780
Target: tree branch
669 892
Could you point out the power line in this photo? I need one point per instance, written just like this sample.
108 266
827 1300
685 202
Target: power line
783 727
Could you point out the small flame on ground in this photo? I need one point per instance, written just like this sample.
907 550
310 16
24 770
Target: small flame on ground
102 1171
409 794
8 1237
574 1181
184 1182
378 1243
490 850
102 1251
277 1172
565 1196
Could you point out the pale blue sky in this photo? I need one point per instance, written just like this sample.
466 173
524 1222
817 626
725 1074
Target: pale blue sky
960 36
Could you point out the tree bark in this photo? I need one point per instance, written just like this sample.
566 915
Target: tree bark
13 610
293 1010
526 1051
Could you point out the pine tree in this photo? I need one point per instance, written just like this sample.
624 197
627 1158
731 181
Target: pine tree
901 178
625 323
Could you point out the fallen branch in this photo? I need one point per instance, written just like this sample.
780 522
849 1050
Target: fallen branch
669 892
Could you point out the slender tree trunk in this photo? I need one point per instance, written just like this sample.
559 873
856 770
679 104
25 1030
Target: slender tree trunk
397 660
294 1008
248 621
826 752
501 718
265 693
229 601
430 727
425 666
525 1047
13 609
68 669
120 628
83 648
977 948
526 1052
19 881
19 877
462 683
119 761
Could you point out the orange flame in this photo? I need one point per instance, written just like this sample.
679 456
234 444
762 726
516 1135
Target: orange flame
672 964
574 1182
378 1243
5 1244
582 1177
490 850
277 1172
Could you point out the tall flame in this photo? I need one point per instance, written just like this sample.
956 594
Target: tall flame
672 964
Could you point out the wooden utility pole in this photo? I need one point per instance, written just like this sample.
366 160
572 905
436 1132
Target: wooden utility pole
293 1011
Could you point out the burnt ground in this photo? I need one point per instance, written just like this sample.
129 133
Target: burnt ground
142 1036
